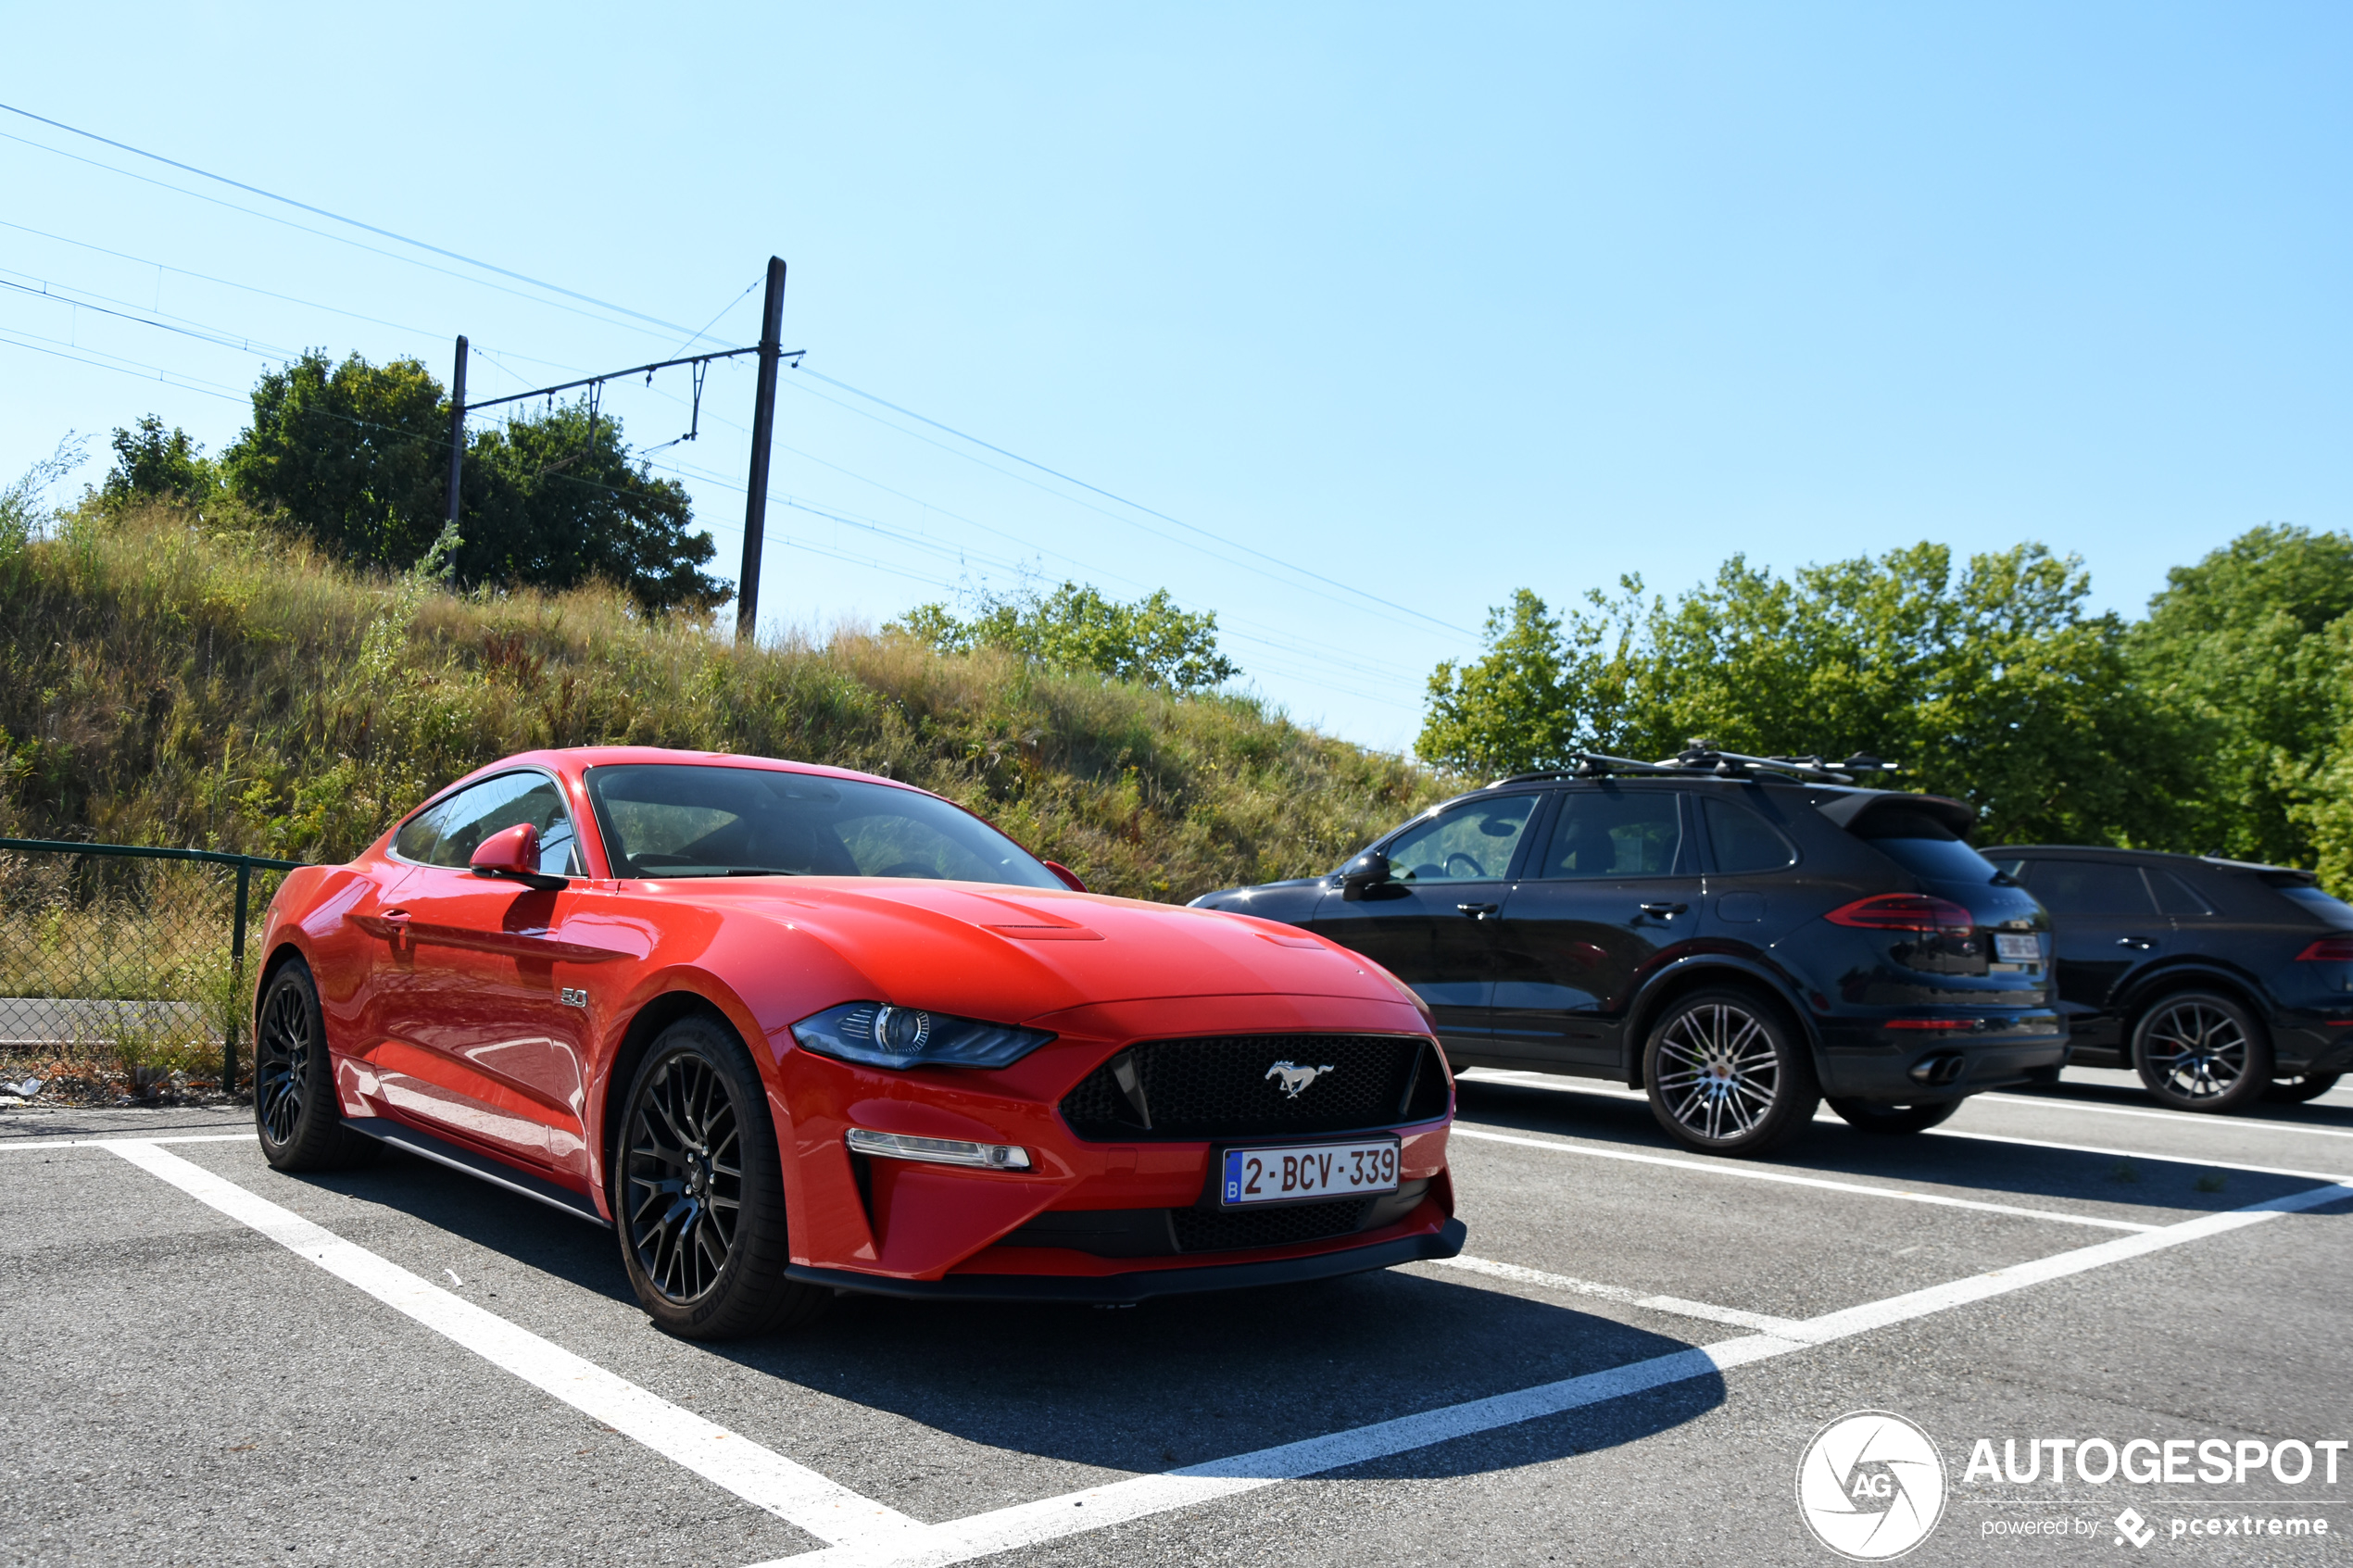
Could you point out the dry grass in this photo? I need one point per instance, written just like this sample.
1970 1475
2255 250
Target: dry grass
167 680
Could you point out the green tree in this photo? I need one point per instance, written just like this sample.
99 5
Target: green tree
1991 684
150 463
357 456
1151 641
2247 651
1547 686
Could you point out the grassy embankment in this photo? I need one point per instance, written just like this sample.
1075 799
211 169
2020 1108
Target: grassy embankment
213 684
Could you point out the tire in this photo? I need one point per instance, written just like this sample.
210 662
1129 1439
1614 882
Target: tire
1872 1116
2201 1050
1728 1073
2295 1091
295 1108
698 1197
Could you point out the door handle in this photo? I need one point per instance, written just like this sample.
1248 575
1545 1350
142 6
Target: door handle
1478 912
1664 912
2141 943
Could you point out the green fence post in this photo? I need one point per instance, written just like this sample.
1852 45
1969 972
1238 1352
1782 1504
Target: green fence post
236 982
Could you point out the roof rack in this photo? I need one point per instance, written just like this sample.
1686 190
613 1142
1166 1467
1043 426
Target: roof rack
1698 759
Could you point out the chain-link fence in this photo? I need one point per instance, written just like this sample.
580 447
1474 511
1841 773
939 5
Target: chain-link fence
124 967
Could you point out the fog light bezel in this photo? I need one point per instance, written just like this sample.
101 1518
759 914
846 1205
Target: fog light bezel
966 1153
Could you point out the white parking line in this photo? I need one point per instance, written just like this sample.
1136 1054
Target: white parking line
1750 1172
1033 1524
826 1510
9 1146
1671 1304
2134 1154
2224 1122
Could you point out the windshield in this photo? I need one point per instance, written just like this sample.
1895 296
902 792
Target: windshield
666 820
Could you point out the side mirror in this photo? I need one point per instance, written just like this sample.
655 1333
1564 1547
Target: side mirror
1070 878
513 853
1367 870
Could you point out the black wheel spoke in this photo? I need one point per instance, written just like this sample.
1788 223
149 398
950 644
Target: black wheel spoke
683 1196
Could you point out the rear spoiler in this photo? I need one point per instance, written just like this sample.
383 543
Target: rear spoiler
1849 809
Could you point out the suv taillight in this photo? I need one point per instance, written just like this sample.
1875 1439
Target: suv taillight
1902 911
2329 950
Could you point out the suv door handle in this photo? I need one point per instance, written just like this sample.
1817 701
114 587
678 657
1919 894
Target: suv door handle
1664 912
1476 911
2141 943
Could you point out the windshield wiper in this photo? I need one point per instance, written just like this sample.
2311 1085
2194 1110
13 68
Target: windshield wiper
761 870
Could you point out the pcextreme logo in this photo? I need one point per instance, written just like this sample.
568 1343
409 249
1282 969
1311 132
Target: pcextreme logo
1870 1485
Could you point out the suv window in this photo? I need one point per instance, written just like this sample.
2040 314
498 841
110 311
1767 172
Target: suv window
2334 910
1607 832
448 833
2176 896
1472 842
2089 887
1742 841
1923 846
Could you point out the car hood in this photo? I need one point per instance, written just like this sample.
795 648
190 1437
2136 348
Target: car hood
1015 953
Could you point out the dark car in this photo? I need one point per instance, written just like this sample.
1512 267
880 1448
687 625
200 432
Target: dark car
2217 981
1739 936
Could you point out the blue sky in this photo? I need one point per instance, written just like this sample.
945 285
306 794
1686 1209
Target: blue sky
1429 303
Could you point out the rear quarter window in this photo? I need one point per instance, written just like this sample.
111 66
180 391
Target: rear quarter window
2336 911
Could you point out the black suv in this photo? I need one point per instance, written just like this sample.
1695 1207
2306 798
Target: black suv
1740 936
2217 981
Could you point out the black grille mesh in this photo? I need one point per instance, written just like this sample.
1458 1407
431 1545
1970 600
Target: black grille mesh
1220 1087
1229 1229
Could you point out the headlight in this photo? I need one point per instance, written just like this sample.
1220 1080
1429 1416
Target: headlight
881 1035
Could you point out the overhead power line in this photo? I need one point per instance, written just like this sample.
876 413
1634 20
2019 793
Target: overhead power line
339 218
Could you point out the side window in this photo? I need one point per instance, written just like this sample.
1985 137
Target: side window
1471 843
1611 833
1742 841
447 834
2089 887
2176 896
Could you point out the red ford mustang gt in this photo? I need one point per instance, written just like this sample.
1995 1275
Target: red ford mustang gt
790 1030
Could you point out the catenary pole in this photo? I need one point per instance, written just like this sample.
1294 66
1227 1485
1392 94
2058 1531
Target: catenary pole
763 429
457 424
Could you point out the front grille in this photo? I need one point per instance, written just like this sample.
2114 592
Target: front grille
1225 1087
1229 1230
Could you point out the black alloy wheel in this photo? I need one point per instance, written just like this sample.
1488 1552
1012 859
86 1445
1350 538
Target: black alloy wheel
698 1192
295 1110
2295 1091
1728 1074
2200 1051
1872 1116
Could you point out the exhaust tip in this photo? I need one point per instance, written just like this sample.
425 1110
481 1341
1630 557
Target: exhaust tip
1937 1071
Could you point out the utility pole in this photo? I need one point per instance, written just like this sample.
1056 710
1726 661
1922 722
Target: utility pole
763 429
458 425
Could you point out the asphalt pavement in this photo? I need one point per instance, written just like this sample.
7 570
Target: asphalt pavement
204 1361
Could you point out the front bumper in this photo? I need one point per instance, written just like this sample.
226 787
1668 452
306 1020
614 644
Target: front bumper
1142 1283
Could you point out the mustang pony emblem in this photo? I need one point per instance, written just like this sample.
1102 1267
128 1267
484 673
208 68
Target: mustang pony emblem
1295 1078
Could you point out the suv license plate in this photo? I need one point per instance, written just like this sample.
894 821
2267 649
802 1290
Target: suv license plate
1288 1174
2012 948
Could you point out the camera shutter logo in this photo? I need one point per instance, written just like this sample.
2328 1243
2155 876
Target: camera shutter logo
1870 1485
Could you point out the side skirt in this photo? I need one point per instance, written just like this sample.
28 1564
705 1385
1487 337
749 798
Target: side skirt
424 1146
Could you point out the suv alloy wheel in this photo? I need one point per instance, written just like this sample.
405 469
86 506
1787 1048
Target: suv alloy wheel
2200 1051
1727 1075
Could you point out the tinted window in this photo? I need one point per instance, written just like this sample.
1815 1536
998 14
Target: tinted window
667 820
1742 841
1472 842
2176 896
1605 833
2089 887
446 833
2336 911
1923 846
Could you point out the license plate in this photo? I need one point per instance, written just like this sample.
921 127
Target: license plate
1324 1169
2010 947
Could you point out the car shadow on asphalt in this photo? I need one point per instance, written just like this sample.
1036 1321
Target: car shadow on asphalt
2175 1183
1186 1379
1172 1382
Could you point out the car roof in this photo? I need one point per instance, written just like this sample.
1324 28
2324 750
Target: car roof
578 760
2139 857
